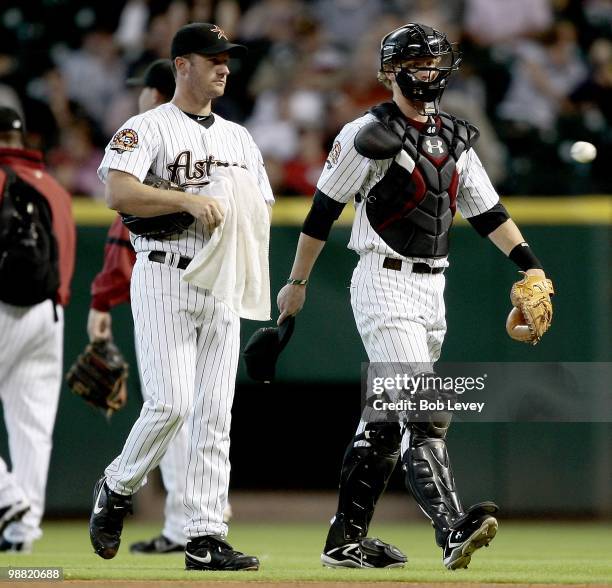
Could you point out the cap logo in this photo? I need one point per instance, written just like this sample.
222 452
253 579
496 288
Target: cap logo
220 33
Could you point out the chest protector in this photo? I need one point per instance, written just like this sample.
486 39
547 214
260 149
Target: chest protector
412 206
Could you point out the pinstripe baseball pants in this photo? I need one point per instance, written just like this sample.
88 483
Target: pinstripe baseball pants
399 315
173 467
30 380
188 344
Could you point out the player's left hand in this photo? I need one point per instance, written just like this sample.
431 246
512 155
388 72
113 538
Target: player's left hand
532 314
290 301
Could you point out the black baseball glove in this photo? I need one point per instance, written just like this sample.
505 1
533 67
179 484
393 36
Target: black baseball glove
163 226
99 376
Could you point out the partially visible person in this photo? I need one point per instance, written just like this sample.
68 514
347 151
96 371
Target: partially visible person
37 251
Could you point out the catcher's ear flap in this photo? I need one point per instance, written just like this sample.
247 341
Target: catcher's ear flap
263 348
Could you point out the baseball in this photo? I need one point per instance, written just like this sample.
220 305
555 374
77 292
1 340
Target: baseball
583 152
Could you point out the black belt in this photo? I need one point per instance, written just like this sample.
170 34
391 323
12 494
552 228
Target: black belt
417 268
160 257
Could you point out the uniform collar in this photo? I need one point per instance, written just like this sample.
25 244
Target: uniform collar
205 120
31 157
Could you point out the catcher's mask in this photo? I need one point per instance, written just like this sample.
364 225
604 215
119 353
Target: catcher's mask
415 48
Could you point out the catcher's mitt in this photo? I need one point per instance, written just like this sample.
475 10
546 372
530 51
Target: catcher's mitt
163 226
532 314
99 376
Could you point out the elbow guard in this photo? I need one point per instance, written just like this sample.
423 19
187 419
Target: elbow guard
323 212
488 221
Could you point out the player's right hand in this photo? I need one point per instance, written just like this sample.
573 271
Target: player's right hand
99 325
290 301
205 209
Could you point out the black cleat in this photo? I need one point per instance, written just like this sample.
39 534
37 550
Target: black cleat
106 521
156 546
211 552
10 547
364 553
12 513
473 531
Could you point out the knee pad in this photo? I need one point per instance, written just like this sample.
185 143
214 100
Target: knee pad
384 438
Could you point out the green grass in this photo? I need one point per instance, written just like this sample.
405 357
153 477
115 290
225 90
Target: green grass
526 553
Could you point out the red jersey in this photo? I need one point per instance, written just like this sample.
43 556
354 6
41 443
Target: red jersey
112 285
28 165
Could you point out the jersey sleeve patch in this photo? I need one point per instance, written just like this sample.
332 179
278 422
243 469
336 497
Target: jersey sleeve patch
124 140
334 155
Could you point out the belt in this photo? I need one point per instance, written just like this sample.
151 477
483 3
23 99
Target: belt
417 268
161 256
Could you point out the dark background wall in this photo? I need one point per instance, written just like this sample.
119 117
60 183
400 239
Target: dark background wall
292 434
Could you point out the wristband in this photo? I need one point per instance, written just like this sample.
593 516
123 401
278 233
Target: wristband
524 258
293 282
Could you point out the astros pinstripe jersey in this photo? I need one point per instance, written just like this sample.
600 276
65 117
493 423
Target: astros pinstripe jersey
185 149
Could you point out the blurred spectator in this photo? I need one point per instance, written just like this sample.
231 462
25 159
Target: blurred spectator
489 22
543 77
302 172
444 15
345 21
225 13
594 95
94 74
272 128
273 20
130 33
75 161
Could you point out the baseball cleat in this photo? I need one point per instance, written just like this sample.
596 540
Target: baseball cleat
106 521
156 546
364 553
211 552
463 542
12 513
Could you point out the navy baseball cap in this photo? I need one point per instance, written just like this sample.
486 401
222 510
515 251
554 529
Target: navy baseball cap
263 348
10 120
203 38
158 76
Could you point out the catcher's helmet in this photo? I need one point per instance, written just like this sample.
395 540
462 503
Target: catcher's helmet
416 41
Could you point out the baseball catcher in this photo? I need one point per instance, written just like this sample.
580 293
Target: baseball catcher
409 167
163 226
99 376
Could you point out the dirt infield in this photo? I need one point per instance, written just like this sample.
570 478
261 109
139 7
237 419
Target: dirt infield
229 584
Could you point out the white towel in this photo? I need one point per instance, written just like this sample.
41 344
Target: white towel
233 265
